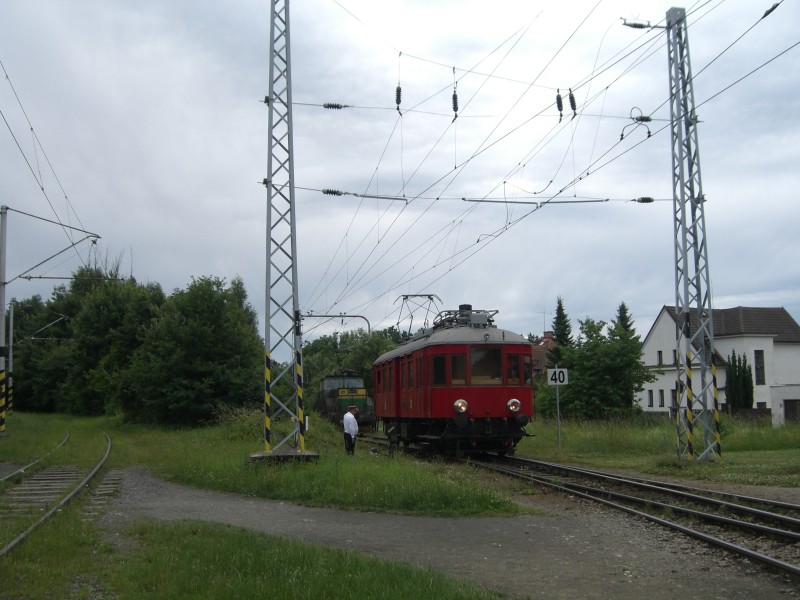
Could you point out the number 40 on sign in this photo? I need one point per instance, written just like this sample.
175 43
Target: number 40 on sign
557 376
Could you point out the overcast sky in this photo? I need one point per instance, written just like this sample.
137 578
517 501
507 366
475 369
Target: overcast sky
147 116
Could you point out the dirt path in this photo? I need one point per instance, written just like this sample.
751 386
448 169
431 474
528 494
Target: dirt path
574 550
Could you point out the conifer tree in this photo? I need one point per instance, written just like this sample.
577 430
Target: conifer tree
562 334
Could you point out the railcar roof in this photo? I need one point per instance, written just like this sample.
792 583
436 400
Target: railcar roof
456 335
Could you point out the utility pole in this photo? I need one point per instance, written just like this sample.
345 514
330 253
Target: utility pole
697 410
10 366
282 329
3 229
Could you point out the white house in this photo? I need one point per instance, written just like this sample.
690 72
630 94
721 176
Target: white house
768 337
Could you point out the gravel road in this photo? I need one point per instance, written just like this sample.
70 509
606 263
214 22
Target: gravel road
572 550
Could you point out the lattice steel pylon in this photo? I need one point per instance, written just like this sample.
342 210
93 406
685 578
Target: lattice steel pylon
697 410
282 329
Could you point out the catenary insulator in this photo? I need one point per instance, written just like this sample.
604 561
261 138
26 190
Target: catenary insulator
455 103
572 104
559 105
331 192
398 95
333 105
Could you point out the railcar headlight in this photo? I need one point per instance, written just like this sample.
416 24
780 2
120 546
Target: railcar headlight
460 406
514 405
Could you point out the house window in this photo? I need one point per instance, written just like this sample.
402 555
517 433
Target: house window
674 399
650 398
759 367
661 398
674 357
660 357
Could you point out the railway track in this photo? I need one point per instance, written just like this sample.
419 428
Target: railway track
758 529
38 496
22 470
372 439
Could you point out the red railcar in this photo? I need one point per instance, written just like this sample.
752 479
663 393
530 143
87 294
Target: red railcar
459 387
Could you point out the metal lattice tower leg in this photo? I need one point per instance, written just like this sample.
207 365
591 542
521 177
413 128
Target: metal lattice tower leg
697 412
282 331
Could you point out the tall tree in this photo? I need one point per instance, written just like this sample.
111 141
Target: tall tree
110 326
625 360
605 371
623 321
202 352
738 382
562 335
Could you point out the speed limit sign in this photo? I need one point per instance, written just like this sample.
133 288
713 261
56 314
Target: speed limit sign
557 376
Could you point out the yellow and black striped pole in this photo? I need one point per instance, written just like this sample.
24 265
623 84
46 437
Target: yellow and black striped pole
301 420
689 407
716 405
267 401
2 401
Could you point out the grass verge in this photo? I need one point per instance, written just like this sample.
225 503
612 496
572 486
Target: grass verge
198 560
753 452
73 558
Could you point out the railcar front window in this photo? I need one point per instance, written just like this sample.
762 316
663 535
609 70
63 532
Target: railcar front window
486 366
333 383
527 370
458 369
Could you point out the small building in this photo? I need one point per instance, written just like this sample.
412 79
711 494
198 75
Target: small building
540 351
768 337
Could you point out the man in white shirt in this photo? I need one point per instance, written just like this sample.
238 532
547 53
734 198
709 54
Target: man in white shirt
350 429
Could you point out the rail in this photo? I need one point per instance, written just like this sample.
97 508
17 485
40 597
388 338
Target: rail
38 460
671 495
55 508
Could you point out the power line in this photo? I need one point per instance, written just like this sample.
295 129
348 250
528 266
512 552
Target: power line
594 165
480 148
39 180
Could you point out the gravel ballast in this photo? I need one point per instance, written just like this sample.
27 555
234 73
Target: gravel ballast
574 549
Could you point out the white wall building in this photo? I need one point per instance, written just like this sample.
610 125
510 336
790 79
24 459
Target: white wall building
768 337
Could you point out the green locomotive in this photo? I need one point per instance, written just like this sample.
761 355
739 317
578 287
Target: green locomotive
340 390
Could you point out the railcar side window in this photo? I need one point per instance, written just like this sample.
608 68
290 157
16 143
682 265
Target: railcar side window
512 369
527 370
410 373
439 370
486 366
458 369
402 374
379 377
